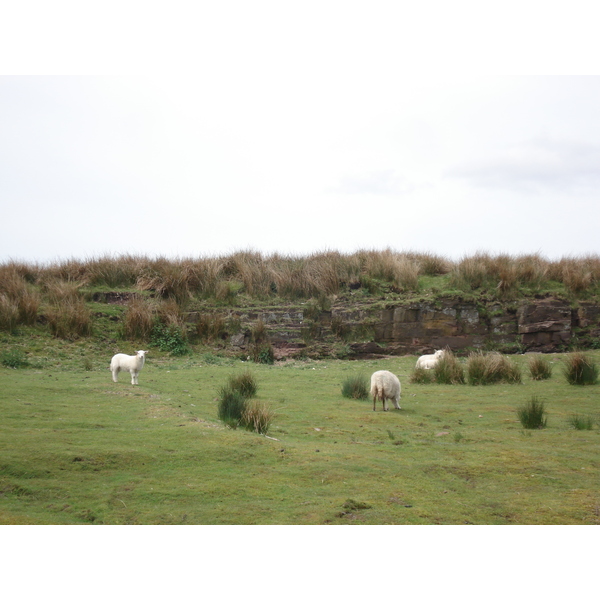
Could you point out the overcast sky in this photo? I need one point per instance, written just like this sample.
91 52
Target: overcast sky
330 126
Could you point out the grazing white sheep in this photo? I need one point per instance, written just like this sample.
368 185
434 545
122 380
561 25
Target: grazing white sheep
428 361
124 362
385 385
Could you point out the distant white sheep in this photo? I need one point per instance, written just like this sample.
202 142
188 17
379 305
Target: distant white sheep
385 385
124 362
428 361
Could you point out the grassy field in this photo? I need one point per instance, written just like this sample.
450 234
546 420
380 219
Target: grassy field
76 448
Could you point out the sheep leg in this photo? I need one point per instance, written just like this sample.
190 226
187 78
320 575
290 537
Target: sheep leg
374 401
115 375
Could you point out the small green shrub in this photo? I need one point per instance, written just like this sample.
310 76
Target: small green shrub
539 368
580 370
14 358
533 414
169 338
581 423
356 387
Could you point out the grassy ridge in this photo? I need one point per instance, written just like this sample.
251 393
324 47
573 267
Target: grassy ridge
77 448
68 300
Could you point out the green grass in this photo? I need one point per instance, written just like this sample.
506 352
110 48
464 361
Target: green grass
76 448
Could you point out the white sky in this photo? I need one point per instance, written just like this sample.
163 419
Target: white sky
195 129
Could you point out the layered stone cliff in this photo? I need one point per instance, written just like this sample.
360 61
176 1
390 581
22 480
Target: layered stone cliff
543 325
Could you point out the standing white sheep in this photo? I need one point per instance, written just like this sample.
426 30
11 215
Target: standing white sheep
385 385
124 362
428 361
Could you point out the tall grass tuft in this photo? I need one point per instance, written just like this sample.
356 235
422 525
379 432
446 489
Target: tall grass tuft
449 370
580 370
257 416
533 414
58 291
138 320
69 319
19 302
9 313
231 407
210 326
493 367
168 279
234 408
432 264
262 353
420 375
581 423
115 272
244 383
539 368
356 387
261 349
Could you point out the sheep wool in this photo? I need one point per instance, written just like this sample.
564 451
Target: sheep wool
124 362
385 385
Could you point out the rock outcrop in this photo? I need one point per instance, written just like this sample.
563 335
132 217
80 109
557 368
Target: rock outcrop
542 324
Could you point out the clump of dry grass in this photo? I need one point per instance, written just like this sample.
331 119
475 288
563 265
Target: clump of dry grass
58 290
578 275
257 416
431 264
19 302
115 271
502 273
539 368
168 279
580 369
493 367
138 320
420 375
448 369
255 273
9 313
471 272
210 326
69 319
